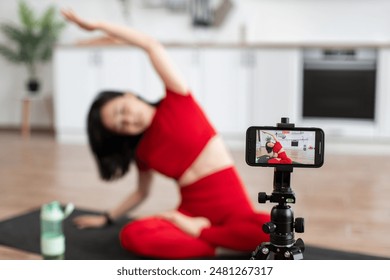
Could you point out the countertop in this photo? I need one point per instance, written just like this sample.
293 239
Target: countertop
109 43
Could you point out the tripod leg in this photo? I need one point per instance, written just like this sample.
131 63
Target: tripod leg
267 251
262 252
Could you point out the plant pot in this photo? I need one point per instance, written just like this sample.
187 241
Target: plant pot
33 86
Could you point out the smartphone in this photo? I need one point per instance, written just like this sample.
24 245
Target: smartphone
274 146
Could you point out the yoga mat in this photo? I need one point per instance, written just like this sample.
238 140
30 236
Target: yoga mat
23 232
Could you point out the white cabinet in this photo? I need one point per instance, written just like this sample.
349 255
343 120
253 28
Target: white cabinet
383 97
188 63
277 86
226 85
76 83
120 69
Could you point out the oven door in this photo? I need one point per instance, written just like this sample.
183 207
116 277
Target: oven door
339 89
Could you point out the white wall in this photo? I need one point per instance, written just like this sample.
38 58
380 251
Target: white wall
284 21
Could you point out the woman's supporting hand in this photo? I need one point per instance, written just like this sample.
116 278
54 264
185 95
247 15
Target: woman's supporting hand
90 221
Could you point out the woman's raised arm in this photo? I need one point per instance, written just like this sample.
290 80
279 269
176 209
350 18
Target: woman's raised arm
155 50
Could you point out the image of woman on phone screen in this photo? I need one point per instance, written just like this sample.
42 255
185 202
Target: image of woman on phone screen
279 155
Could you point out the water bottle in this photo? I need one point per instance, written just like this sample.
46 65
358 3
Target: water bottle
52 236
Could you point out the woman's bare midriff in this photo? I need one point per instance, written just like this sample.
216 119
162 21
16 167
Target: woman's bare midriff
212 158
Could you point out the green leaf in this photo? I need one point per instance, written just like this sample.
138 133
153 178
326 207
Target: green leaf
46 54
14 33
10 54
27 16
48 18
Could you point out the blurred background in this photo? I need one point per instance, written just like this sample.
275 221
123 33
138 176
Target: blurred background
247 53
250 62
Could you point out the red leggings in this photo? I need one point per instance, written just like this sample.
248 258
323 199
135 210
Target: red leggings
282 157
221 198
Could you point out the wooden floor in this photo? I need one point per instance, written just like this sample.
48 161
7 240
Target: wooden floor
345 203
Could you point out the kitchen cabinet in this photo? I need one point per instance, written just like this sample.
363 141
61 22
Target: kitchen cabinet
277 85
383 96
226 84
188 62
121 69
76 82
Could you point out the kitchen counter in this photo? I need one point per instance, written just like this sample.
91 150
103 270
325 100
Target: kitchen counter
106 42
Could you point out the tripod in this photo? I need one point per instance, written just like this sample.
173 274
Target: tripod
282 245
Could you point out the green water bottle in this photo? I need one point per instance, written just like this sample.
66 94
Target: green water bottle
52 235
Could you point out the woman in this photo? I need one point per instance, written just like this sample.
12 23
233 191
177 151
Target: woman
279 155
215 211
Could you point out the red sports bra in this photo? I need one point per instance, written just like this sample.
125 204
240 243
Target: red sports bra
178 133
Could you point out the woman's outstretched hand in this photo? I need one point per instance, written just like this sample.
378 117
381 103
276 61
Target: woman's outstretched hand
84 24
90 221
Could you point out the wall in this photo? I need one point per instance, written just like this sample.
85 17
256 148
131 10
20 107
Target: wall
280 21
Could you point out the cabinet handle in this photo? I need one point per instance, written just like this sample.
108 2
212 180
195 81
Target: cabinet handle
252 59
96 58
196 57
248 59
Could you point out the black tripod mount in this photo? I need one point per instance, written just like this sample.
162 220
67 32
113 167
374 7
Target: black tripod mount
282 245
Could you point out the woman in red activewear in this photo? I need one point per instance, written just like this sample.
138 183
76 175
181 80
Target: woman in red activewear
279 155
214 211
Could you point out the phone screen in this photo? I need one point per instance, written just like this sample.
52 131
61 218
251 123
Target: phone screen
272 146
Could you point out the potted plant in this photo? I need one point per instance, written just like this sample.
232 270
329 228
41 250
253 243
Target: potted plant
31 41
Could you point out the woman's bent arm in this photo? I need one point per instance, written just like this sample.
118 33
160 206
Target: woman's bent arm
135 198
132 201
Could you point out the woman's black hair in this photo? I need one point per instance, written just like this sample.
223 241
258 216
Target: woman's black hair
269 149
113 152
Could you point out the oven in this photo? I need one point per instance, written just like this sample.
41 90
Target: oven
339 84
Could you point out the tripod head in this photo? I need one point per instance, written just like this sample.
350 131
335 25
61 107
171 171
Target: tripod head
282 192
